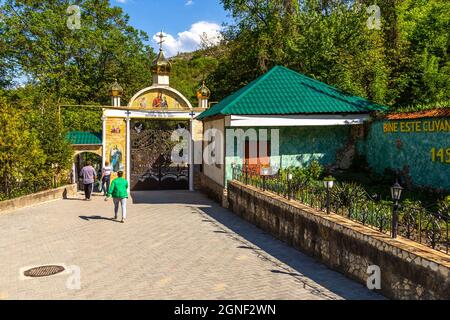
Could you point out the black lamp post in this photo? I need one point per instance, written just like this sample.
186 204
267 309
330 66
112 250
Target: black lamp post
396 193
233 171
289 181
265 171
329 185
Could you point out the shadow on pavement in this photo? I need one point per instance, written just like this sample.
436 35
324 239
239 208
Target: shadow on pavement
96 218
260 242
183 197
304 265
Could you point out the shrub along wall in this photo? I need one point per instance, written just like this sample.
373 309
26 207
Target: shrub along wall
408 270
417 149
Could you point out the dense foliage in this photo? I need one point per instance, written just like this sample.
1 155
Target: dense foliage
405 62
45 64
34 154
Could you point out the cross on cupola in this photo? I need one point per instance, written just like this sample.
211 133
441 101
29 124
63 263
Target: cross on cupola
161 67
161 37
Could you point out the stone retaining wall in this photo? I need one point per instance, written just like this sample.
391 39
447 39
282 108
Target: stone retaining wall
38 198
213 190
408 270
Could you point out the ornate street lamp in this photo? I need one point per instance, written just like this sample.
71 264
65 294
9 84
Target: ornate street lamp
265 171
328 183
233 168
289 180
396 193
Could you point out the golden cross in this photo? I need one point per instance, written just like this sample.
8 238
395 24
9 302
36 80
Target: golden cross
161 40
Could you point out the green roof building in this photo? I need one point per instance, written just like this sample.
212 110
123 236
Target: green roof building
79 138
282 91
297 119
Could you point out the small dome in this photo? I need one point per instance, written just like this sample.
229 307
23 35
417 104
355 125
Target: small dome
203 92
116 89
161 65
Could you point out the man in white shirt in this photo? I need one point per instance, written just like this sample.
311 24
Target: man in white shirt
106 177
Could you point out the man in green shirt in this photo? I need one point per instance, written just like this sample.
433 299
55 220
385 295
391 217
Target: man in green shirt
119 192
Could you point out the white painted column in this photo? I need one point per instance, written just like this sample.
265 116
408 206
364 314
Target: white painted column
128 150
115 101
191 155
74 174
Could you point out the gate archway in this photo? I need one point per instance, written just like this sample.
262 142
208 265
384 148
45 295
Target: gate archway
80 160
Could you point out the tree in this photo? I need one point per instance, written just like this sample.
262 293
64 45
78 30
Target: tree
53 142
21 155
75 66
425 29
404 62
189 70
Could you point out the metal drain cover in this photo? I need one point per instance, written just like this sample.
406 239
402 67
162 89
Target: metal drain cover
44 271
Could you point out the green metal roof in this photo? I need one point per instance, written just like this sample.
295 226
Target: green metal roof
84 138
284 91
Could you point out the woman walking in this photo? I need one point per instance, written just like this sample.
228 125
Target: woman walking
106 178
119 192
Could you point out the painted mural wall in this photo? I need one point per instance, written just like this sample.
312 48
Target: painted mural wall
159 99
301 145
419 149
116 144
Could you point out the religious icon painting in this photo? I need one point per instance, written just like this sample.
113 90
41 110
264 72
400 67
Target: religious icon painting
164 103
115 129
143 103
158 99
116 158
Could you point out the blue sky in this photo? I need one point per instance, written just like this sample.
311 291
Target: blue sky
183 21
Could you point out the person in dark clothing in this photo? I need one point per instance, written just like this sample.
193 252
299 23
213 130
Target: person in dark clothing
88 175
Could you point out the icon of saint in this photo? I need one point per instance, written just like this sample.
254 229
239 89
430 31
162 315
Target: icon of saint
157 101
164 103
116 158
143 103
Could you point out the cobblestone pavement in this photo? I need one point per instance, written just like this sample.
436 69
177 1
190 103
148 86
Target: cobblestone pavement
175 245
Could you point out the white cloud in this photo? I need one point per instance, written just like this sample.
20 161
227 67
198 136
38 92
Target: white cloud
190 40
189 3
121 1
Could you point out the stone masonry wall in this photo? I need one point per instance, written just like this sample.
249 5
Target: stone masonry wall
408 270
213 190
38 198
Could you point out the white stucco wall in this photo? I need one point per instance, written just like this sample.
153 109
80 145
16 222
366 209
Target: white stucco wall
214 172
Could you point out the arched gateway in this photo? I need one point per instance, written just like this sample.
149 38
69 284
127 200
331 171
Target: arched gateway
137 139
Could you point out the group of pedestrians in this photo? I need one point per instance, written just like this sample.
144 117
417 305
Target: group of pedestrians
117 189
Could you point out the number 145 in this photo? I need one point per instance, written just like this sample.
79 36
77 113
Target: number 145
440 155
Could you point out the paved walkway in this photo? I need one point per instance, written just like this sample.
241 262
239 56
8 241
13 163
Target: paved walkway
175 245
